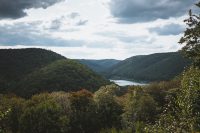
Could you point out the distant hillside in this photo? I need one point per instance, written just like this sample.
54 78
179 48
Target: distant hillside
99 65
154 67
29 71
65 75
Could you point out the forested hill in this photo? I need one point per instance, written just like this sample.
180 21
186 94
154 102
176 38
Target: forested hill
154 67
29 71
99 65
15 63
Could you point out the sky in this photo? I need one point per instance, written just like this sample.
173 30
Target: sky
94 29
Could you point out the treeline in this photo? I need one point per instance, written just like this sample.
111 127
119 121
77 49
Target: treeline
160 107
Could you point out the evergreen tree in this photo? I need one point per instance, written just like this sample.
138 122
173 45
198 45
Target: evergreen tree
191 38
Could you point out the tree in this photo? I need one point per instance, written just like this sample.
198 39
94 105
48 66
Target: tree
182 114
45 117
83 117
15 106
63 100
191 37
188 100
140 108
3 117
108 109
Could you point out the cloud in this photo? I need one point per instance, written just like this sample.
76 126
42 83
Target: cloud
16 8
72 19
170 29
82 22
56 24
28 34
59 28
125 38
132 11
73 15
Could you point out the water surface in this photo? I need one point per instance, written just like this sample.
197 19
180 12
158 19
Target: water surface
126 82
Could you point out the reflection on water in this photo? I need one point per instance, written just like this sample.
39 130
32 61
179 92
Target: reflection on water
126 82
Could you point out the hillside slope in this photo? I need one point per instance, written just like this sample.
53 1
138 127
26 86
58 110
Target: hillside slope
29 71
99 65
62 75
154 67
15 63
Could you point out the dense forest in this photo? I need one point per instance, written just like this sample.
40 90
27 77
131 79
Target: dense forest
29 71
91 107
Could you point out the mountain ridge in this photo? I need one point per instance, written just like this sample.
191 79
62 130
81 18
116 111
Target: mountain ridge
99 65
153 67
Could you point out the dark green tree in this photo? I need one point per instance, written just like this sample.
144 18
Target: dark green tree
191 38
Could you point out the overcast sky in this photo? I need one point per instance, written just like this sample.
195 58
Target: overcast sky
94 29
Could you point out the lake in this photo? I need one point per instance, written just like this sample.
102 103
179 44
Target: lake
126 82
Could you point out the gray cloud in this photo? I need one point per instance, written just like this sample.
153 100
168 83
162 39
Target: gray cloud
73 15
56 24
15 8
82 22
24 34
132 11
170 29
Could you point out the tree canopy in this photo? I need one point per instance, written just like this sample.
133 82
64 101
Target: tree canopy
191 38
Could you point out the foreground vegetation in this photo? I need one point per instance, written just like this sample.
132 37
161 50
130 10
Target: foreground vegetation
160 107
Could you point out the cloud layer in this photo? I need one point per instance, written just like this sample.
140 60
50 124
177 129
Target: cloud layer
169 29
16 8
28 34
131 11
